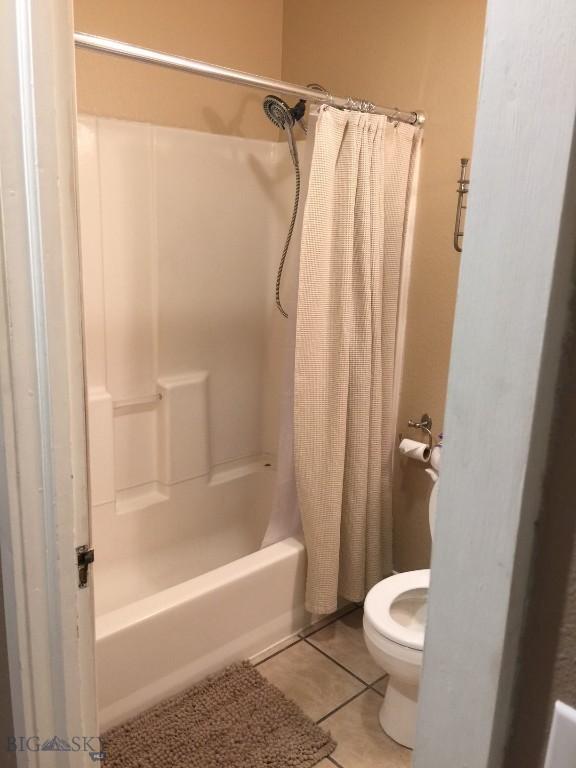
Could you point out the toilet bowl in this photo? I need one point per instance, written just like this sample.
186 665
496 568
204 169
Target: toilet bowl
394 626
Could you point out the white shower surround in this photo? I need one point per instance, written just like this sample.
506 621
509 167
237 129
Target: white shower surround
181 232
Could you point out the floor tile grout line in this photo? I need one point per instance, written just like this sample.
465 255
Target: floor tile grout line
327 655
338 664
328 623
371 686
341 706
379 680
277 653
300 637
332 760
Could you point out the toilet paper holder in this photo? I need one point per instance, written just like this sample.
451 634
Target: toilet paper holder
425 425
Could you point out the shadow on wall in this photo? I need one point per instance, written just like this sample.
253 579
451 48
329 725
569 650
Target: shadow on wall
412 488
234 125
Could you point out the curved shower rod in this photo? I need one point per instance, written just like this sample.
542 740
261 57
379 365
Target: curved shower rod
146 55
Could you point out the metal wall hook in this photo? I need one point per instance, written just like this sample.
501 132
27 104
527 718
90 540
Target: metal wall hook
462 189
425 424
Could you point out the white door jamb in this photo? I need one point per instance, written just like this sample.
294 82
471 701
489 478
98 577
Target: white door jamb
43 488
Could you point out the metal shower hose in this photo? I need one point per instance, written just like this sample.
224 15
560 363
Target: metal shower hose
289 235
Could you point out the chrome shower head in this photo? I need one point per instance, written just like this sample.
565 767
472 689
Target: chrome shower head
278 112
285 117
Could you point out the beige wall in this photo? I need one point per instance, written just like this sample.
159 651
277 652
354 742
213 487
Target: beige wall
414 54
244 35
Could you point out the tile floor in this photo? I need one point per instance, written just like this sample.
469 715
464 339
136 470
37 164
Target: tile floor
330 674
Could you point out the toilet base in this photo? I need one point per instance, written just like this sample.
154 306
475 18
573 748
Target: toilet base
398 712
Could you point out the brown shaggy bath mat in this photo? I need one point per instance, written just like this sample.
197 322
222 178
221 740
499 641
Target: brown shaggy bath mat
235 719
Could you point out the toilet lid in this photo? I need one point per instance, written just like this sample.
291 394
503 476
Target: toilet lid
396 607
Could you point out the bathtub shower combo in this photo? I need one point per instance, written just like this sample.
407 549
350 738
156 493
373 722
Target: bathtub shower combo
184 354
186 358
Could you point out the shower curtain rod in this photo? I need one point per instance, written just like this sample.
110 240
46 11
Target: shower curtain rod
117 48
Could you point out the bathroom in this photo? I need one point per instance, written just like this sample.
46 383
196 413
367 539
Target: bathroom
284 418
185 194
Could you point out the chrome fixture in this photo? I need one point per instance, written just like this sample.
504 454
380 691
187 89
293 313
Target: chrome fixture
463 185
286 117
118 48
425 425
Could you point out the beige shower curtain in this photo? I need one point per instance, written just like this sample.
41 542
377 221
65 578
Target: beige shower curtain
350 263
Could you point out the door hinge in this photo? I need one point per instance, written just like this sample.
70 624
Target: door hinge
84 557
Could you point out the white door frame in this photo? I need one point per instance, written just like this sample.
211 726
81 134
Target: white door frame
43 468
515 287
517 253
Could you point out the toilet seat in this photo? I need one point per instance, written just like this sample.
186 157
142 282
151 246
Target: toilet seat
379 607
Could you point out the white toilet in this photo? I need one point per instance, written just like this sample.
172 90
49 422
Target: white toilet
394 626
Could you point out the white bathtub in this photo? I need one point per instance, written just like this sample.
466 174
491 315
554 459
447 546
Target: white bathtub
158 645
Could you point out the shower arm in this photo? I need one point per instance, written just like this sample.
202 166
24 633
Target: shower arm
193 66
